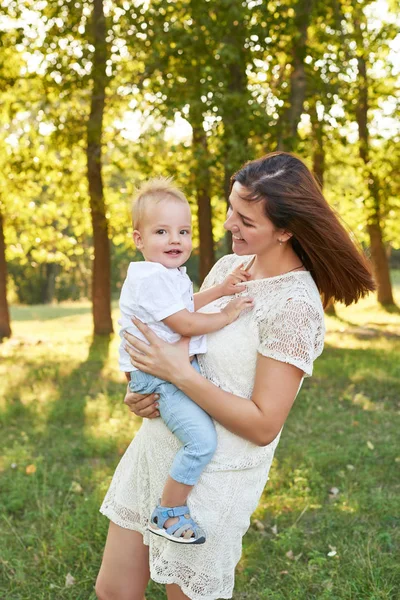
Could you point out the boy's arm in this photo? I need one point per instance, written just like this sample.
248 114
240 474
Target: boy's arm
207 296
230 285
189 324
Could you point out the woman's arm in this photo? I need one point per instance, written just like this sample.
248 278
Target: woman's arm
258 420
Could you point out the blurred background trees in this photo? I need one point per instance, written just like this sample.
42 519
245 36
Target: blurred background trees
96 96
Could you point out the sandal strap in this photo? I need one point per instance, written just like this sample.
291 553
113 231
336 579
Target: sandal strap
182 526
163 513
178 511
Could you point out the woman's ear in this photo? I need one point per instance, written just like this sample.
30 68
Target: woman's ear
137 238
285 235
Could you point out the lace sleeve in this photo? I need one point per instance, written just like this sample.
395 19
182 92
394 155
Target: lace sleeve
219 271
295 335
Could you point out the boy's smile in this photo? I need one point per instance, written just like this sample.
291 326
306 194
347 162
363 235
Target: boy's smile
165 234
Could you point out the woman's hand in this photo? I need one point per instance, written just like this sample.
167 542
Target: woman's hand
232 283
159 358
142 406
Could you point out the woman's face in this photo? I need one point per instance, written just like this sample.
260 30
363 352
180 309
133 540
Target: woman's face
252 232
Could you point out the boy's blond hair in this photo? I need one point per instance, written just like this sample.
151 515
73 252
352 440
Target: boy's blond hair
152 192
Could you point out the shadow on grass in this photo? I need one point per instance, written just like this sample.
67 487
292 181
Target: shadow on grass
327 524
47 312
54 508
392 309
316 446
365 331
66 420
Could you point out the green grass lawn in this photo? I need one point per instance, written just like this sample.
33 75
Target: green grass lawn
327 525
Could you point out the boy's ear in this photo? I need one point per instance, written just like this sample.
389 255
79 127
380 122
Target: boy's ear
137 238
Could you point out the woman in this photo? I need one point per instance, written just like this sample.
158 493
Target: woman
295 251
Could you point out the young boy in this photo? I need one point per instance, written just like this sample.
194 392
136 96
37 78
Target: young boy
159 292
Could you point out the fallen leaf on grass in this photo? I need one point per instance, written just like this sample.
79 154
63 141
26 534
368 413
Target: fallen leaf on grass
258 525
370 445
69 580
332 551
283 572
30 469
290 554
350 467
76 488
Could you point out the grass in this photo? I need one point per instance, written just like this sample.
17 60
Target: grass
327 524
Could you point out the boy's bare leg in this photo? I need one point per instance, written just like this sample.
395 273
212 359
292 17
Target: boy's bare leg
124 572
175 493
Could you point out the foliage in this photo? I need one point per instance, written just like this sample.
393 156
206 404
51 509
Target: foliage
226 65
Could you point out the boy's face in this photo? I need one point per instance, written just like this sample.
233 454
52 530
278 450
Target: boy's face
165 234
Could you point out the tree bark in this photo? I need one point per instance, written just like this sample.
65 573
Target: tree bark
235 108
318 162
5 327
49 283
202 181
289 121
318 151
373 203
101 294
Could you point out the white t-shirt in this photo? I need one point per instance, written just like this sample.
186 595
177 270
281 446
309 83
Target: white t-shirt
152 292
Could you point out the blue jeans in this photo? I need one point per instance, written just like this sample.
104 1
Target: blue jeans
185 419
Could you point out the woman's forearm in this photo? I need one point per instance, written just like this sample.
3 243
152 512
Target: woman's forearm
239 415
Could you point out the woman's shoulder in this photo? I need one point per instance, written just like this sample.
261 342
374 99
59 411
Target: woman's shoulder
222 268
229 262
295 292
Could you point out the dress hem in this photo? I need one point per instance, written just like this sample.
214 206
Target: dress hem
153 577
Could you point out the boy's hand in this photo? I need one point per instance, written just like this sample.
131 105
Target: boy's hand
232 283
233 309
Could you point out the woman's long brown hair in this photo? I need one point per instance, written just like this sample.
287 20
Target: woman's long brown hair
293 201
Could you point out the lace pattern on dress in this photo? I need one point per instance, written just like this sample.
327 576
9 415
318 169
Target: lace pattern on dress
286 323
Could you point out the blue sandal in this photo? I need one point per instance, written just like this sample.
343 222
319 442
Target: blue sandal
185 531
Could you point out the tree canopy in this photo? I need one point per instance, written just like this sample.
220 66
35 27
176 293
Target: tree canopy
97 96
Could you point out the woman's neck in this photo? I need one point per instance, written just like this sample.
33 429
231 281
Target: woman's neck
274 263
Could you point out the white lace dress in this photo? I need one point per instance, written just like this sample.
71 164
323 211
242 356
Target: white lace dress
287 324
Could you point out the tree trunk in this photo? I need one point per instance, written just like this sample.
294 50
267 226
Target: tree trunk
318 162
101 264
289 121
318 151
234 98
373 203
381 264
5 328
202 182
49 283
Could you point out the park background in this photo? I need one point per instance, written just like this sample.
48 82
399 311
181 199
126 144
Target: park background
97 96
